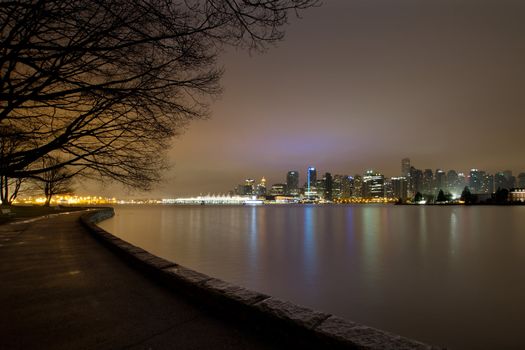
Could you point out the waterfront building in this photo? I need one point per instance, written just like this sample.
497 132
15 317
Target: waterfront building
358 186
416 181
347 186
453 185
476 181
292 183
311 183
400 187
278 190
440 181
504 179
373 185
337 186
261 187
328 187
389 192
405 167
428 181
517 195
320 187
521 180
462 181
488 184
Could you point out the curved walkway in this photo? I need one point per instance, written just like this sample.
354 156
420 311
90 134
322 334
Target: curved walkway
61 289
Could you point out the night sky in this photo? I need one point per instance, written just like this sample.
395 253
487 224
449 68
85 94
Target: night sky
360 84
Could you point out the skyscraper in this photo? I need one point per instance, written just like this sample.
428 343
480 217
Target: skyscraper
399 187
328 186
261 187
373 185
428 181
292 183
476 181
440 180
405 167
416 181
358 186
311 182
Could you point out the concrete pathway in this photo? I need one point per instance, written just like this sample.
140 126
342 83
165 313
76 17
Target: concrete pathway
61 289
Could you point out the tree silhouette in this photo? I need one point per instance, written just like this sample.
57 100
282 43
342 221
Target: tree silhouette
441 197
55 180
468 197
107 83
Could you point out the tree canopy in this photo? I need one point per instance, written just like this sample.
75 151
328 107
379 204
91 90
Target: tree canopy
103 85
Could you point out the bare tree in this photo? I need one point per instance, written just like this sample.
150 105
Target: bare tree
55 180
10 142
107 83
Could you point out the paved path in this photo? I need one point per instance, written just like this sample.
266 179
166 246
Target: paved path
61 289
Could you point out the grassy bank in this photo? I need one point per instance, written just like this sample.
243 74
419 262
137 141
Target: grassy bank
14 212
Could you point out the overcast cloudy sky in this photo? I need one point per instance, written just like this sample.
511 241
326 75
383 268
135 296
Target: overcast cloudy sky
360 84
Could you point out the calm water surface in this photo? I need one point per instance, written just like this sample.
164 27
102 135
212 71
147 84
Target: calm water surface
452 276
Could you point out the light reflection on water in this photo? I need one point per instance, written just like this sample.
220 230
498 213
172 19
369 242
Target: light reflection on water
451 276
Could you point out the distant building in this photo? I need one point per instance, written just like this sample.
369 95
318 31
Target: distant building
389 191
347 187
440 181
517 194
337 186
261 187
400 187
405 167
292 183
328 186
358 186
311 182
476 180
504 179
521 180
453 184
416 181
373 185
246 189
428 181
278 190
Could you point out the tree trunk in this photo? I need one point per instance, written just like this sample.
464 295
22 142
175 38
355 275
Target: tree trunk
48 194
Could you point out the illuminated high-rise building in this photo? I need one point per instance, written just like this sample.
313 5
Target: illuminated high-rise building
504 179
358 186
328 186
416 181
278 189
292 183
476 181
311 182
405 167
373 185
521 180
249 186
399 187
337 186
261 187
428 181
440 180
347 186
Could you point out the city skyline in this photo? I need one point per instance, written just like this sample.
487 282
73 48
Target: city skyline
371 184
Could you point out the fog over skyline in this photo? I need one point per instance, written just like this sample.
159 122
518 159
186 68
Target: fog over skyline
360 84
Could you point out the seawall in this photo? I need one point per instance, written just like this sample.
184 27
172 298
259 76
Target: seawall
285 319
